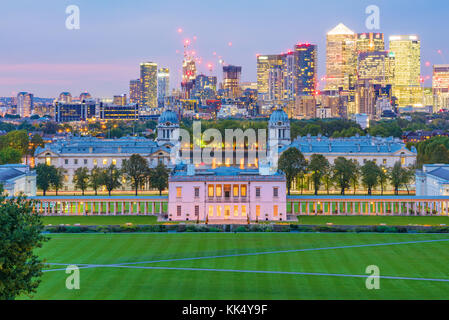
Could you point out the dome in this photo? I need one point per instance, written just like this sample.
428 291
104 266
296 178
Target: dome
278 116
168 116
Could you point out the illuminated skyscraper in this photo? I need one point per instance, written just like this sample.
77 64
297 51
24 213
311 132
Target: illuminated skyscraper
440 86
163 84
231 80
376 67
148 82
65 97
119 100
264 64
305 69
406 83
134 91
275 83
341 58
24 104
369 42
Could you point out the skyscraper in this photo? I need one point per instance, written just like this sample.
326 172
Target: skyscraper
440 86
340 58
264 64
376 67
163 84
231 80
148 82
24 104
134 91
305 69
369 42
406 83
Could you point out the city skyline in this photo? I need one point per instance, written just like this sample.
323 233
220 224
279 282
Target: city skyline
105 68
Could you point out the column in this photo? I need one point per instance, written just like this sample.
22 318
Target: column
145 205
123 208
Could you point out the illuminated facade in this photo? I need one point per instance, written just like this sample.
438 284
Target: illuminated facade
65 97
119 100
24 104
148 82
340 58
231 80
440 86
369 42
163 84
134 91
119 112
376 67
264 64
406 83
305 69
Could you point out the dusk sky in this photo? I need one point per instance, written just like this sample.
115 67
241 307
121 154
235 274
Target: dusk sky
41 56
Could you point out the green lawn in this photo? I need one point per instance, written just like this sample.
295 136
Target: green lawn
373 220
99 220
415 260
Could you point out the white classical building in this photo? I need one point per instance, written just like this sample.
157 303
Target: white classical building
17 179
433 180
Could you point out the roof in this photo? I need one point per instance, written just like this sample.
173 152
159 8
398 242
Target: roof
7 174
341 29
442 173
352 145
168 116
278 115
225 174
91 145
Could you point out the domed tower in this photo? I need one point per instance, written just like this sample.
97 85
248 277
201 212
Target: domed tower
279 129
167 128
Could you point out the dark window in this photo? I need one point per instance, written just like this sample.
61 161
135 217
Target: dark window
197 210
178 211
197 192
257 192
275 192
66 161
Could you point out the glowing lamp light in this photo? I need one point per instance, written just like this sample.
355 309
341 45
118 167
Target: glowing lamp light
179 30
230 44
427 64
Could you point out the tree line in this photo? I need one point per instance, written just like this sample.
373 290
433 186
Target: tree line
135 171
343 174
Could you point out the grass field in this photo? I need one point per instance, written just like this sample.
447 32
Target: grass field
304 220
247 266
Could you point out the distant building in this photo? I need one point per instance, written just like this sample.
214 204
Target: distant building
89 152
305 69
119 112
433 180
85 96
120 100
369 42
17 178
383 151
222 194
163 85
231 81
440 86
148 82
24 104
68 112
134 91
65 97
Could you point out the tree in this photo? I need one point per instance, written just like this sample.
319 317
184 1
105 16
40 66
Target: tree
158 177
18 139
383 178
396 177
36 141
110 178
45 176
318 166
10 155
135 170
95 179
355 175
20 234
343 173
57 181
292 163
370 175
81 179
327 177
409 176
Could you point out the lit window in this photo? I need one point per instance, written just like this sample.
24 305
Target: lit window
236 211
95 162
385 161
258 210
219 211
243 211
211 211
210 191
48 161
402 161
275 211
236 191
227 211
218 191
114 161
178 192
243 190
105 161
